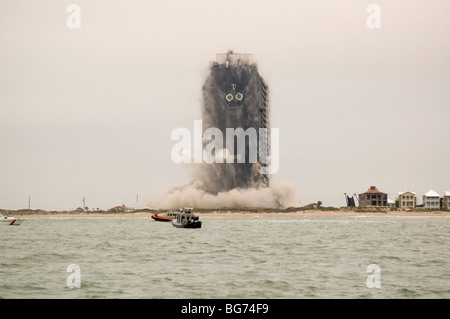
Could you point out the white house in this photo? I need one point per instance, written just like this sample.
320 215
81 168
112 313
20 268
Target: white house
406 199
431 200
391 203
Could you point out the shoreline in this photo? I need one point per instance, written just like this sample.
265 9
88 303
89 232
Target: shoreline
227 213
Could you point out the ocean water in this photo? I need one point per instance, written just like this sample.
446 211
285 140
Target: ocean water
229 257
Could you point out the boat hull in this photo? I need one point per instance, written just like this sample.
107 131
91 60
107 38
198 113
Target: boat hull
11 221
187 225
161 219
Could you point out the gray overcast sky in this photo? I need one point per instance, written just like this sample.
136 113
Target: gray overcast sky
88 112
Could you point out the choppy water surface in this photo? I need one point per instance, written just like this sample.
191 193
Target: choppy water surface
229 257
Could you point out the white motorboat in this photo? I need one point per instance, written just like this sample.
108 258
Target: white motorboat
186 219
9 220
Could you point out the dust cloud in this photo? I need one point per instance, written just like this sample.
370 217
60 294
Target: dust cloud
196 195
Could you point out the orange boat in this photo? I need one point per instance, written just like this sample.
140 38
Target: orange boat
165 218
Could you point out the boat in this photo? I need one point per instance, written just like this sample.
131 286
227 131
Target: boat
186 219
167 217
9 220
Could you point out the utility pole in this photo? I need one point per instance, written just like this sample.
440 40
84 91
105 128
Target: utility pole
137 201
29 202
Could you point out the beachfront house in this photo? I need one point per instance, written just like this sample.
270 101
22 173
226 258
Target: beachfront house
121 209
447 200
373 198
431 200
406 200
391 203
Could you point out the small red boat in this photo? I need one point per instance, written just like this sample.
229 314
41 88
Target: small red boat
166 218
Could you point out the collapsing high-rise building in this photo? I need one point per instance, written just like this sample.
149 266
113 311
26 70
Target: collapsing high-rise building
236 96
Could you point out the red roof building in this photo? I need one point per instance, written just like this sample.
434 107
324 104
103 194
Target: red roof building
373 198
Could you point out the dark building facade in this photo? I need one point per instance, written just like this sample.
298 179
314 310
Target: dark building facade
236 96
373 198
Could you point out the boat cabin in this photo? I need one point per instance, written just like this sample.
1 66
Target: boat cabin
185 215
186 219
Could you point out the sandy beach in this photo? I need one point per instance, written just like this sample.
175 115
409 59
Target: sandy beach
230 213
